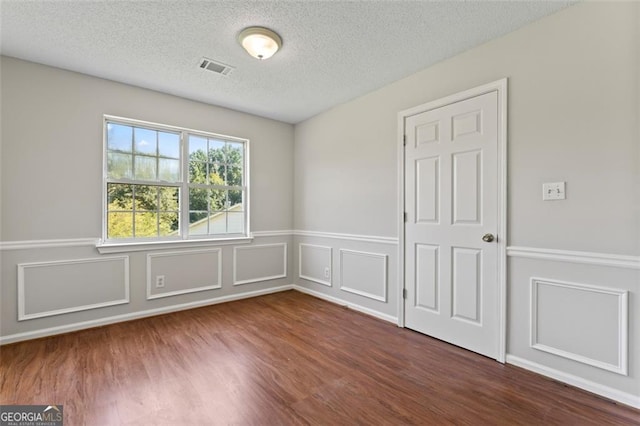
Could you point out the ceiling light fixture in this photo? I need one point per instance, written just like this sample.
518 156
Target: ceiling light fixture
259 42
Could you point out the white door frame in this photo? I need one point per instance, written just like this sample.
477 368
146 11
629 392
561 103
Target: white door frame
501 87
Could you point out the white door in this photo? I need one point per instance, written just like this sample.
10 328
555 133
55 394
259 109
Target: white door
452 203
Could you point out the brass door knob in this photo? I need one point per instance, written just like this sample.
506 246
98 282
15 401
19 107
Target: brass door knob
487 238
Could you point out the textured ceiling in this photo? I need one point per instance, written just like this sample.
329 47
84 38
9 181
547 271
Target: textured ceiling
333 51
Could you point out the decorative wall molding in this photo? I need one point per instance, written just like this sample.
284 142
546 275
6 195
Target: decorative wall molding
39 244
579 382
173 244
349 287
350 237
19 337
95 242
341 302
301 261
24 267
151 256
280 233
622 322
283 274
600 259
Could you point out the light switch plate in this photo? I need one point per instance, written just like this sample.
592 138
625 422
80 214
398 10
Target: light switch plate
553 191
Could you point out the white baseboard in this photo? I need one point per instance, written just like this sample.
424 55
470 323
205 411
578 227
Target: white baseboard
355 307
13 338
579 382
36 334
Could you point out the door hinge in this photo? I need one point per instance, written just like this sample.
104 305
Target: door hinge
404 293
404 140
405 216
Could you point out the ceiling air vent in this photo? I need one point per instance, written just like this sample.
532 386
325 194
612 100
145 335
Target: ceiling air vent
216 67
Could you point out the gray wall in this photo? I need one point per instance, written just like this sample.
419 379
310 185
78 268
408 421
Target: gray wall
52 147
51 185
573 115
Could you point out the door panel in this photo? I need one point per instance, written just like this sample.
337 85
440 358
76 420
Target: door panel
467 182
427 133
467 284
451 200
427 190
427 277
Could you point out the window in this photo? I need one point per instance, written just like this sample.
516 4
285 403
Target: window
168 183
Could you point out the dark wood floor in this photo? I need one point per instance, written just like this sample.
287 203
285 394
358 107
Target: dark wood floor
286 358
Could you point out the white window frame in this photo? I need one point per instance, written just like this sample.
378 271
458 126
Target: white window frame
106 245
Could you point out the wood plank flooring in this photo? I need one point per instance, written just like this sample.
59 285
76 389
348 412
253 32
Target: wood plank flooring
282 359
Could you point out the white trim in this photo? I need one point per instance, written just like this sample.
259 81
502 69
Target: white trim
502 237
341 302
400 155
247 186
259 279
13 338
589 258
172 128
623 319
38 244
151 296
316 280
124 247
351 237
103 201
22 316
158 245
493 86
579 382
174 244
278 233
501 87
385 280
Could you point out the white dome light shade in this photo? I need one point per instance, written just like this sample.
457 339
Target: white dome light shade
261 43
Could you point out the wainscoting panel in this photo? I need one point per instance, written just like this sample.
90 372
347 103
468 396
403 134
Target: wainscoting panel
183 272
64 286
364 274
580 322
56 286
574 316
315 263
363 270
259 263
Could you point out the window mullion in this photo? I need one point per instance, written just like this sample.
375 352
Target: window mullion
133 155
184 193
158 208
157 212
145 182
133 211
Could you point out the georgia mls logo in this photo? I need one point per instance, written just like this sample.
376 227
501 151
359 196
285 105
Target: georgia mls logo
52 407
31 415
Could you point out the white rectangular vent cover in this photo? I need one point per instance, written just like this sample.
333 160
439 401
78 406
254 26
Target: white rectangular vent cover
216 67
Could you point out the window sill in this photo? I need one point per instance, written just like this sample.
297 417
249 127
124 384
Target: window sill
107 248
